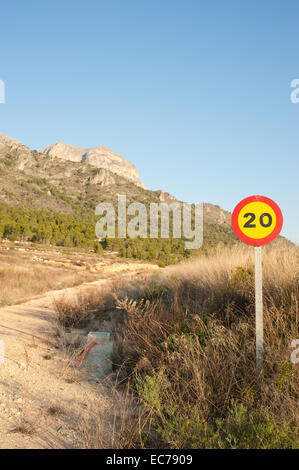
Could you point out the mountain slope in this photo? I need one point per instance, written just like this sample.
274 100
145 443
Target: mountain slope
99 157
30 178
47 199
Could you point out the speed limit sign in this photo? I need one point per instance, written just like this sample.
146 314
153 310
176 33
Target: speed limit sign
257 221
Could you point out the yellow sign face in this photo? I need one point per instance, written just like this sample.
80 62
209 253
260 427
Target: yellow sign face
257 220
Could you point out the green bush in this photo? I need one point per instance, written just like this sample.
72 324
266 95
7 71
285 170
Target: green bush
240 428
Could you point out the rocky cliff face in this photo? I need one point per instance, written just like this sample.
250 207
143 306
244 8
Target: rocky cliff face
7 143
9 146
165 197
100 157
14 148
103 178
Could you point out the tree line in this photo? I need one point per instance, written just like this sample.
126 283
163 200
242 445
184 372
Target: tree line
78 230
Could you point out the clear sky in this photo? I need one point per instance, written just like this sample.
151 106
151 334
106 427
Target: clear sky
195 93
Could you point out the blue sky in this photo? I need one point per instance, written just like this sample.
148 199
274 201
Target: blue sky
195 93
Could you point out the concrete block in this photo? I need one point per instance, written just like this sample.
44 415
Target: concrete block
99 358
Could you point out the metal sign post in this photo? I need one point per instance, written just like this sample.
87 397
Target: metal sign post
257 221
259 309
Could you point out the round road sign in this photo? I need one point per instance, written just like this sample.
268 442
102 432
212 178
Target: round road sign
257 220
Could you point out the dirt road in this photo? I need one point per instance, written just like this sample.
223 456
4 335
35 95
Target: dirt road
42 399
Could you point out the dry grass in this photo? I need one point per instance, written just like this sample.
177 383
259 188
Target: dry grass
84 309
186 350
112 419
25 428
27 271
90 308
21 280
75 313
121 424
189 344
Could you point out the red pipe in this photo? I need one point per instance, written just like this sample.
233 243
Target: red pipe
84 354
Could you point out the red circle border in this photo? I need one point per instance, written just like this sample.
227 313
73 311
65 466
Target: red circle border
257 241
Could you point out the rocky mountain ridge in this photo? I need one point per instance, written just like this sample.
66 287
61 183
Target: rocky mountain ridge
31 181
59 181
99 157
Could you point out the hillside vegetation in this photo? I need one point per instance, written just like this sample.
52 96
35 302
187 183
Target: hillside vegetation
187 347
78 230
47 200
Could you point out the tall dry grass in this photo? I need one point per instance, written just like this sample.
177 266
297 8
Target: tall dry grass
188 344
121 424
21 281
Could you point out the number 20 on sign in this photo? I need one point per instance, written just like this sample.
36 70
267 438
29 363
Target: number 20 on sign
257 221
